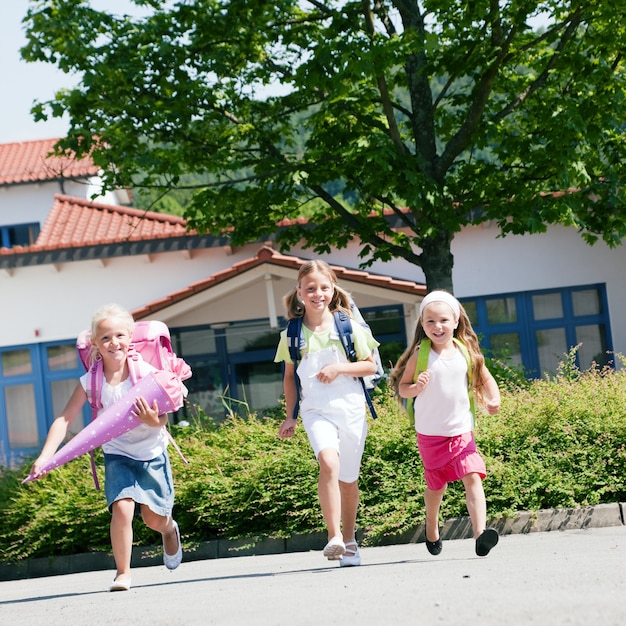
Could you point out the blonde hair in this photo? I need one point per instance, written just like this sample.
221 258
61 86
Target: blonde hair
339 302
466 335
108 311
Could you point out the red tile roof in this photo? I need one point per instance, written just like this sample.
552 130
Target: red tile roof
73 222
271 257
29 161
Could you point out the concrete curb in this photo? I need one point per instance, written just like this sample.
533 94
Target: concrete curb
600 516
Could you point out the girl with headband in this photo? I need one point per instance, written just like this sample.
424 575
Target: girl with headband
444 420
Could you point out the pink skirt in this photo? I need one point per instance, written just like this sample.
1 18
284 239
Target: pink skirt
447 459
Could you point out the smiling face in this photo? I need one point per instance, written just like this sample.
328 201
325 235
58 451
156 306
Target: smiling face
112 339
439 324
316 291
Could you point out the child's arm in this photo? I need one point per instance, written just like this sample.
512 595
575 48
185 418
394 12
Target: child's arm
288 427
407 388
60 427
491 392
367 367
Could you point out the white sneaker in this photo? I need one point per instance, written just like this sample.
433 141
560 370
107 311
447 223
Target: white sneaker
334 549
351 557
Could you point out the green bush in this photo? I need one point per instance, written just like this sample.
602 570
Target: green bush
555 443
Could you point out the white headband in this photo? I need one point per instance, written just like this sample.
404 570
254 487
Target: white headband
442 296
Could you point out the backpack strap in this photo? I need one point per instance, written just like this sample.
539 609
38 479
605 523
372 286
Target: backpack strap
344 329
295 339
176 446
421 365
95 378
132 359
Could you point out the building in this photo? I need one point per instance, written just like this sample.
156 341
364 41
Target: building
66 250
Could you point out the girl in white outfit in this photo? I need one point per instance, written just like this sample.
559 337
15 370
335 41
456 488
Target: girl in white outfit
332 400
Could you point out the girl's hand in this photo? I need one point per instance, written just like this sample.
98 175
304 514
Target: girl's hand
492 406
409 389
328 373
145 413
35 470
423 379
287 428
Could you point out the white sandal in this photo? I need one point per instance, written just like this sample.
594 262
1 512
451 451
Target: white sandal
172 561
351 557
120 585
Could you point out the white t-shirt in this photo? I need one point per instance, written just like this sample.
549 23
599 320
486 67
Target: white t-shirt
443 407
142 443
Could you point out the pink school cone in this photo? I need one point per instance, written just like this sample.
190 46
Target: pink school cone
162 386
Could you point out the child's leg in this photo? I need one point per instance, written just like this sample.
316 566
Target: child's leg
476 502
163 525
328 490
122 512
486 538
432 501
349 507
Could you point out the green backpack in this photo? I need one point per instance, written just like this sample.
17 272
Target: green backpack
423 351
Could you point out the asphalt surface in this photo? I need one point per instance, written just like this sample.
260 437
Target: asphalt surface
548 578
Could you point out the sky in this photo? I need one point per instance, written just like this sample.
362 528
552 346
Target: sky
27 82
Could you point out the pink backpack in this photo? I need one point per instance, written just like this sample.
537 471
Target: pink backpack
151 342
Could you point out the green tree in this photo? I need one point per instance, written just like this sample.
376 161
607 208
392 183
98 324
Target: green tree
414 118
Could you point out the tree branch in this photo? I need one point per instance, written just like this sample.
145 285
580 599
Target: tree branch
394 132
355 224
573 23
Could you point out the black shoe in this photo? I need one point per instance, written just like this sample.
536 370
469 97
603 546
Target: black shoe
434 547
486 540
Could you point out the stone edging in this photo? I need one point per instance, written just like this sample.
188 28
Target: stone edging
599 516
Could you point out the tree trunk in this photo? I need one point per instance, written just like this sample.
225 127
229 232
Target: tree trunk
437 261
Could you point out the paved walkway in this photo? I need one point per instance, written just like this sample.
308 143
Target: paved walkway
573 577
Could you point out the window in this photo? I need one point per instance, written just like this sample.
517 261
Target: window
17 402
537 329
62 361
18 235
35 384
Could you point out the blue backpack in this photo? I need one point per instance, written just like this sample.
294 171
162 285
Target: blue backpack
343 323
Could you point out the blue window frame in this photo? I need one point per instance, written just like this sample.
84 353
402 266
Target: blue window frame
36 381
19 235
535 329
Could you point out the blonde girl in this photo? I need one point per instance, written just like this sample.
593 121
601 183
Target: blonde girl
136 464
332 402
443 417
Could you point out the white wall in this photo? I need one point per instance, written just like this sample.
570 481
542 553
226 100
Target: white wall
32 202
26 203
59 302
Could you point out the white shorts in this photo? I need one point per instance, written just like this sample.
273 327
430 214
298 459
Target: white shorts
348 439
